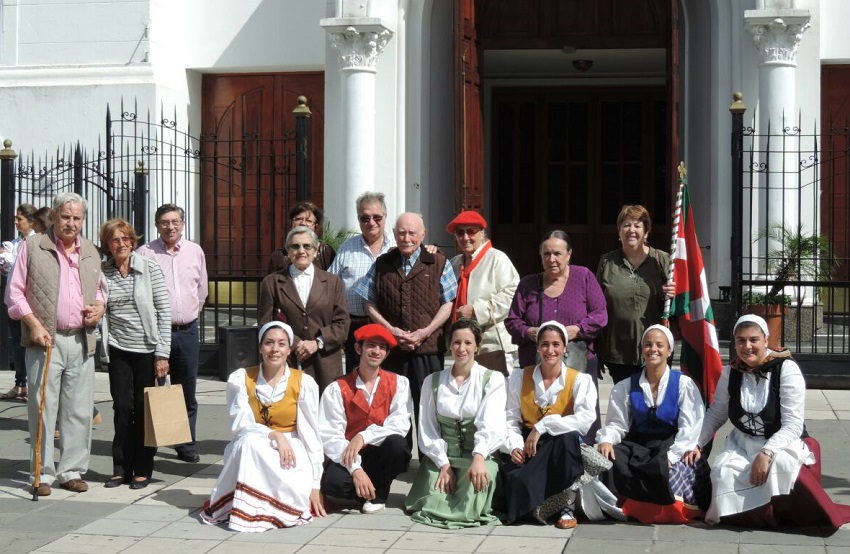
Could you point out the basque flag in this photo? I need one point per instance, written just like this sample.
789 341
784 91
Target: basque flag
700 355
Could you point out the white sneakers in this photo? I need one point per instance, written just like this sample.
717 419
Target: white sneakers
372 507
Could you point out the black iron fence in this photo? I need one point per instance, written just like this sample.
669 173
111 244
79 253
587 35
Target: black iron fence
236 189
791 238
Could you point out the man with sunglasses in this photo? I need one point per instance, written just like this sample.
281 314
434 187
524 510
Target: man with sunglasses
185 268
355 257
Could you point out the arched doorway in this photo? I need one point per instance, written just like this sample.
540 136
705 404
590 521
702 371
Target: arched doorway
566 145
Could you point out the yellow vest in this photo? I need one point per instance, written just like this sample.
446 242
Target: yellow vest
281 415
531 412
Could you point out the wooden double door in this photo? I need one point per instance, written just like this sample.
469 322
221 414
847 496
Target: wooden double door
569 159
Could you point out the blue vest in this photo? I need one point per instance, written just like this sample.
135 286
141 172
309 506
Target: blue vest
662 420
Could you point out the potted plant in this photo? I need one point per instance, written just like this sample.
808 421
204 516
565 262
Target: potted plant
792 255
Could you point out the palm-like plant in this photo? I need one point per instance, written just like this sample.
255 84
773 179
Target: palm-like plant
335 237
793 254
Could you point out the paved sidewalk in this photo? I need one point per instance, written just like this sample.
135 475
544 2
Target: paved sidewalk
164 516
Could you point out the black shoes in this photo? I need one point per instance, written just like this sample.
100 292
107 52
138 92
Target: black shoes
116 481
136 485
189 456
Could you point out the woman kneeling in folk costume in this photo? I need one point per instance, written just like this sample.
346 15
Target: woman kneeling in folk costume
653 422
768 472
461 423
273 465
550 407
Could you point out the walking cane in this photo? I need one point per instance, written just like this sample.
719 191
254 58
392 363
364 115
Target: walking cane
39 434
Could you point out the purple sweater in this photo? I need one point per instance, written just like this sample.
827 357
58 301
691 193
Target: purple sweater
582 303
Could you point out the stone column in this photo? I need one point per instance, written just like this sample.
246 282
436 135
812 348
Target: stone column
776 35
358 42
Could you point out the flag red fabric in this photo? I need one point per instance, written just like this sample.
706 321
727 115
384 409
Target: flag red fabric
700 355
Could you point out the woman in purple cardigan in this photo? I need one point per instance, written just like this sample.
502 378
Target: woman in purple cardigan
570 295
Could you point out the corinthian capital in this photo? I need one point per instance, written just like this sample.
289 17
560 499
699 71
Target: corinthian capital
777 38
358 46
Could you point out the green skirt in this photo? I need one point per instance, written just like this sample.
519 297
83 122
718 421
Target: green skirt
464 508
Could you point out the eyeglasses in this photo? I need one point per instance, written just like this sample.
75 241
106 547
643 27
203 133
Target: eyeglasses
118 240
471 232
296 247
166 223
306 221
376 218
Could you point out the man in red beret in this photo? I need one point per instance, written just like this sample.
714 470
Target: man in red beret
364 418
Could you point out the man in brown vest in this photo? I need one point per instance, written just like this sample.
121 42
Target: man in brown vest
410 291
55 290
363 420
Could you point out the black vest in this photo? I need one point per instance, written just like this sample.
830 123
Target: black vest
769 419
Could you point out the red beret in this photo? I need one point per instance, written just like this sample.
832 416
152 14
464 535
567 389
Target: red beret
466 217
374 331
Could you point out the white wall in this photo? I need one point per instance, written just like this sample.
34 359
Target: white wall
835 44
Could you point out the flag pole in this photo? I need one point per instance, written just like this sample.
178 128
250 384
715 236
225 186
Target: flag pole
674 240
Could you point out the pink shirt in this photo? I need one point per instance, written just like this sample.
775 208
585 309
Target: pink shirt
185 272
69 308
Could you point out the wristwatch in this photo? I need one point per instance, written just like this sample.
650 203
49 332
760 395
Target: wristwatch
320 343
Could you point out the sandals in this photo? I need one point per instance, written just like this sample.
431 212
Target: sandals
14 393
567 521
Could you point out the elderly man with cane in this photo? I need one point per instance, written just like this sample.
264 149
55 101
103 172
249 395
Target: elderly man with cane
55 290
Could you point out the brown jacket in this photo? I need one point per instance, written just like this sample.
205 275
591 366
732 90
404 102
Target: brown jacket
326 314
411 301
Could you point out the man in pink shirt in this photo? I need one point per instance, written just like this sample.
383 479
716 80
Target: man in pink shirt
55 290
185 269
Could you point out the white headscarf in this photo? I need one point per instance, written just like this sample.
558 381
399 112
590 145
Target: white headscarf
661 328
553 323
752 319
280 324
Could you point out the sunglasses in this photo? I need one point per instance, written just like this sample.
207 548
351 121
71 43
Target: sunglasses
118 240
471 232
375 218
296 247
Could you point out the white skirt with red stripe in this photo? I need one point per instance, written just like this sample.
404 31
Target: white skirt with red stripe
254 494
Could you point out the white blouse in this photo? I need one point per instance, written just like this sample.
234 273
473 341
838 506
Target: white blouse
584 406
618 421
486 404
242 420
754 394
333 422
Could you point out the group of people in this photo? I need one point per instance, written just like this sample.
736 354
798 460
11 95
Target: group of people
62 292
496 444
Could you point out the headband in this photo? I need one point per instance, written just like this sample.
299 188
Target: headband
750 318
280 324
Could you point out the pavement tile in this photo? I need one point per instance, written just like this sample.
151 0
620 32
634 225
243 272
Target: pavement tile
326 549
440 542
839 538
158 544
842 415
122 527
531 530
780 549
792 538
298 535
698 532
522 544
612 530
86 544
357 538
193 530
231 547
483 530
142 512
175 497
378 522
838 550
605 546
21 541
692 547
820 414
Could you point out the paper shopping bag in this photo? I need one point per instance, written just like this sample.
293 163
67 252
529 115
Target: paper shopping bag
166 420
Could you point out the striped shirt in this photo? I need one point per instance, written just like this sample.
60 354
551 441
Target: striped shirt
352 262
125 328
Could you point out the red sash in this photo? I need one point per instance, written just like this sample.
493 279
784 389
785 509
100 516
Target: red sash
463 284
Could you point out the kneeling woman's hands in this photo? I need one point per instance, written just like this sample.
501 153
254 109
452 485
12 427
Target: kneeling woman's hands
317 504
478 474
446 480
606 449
287 455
